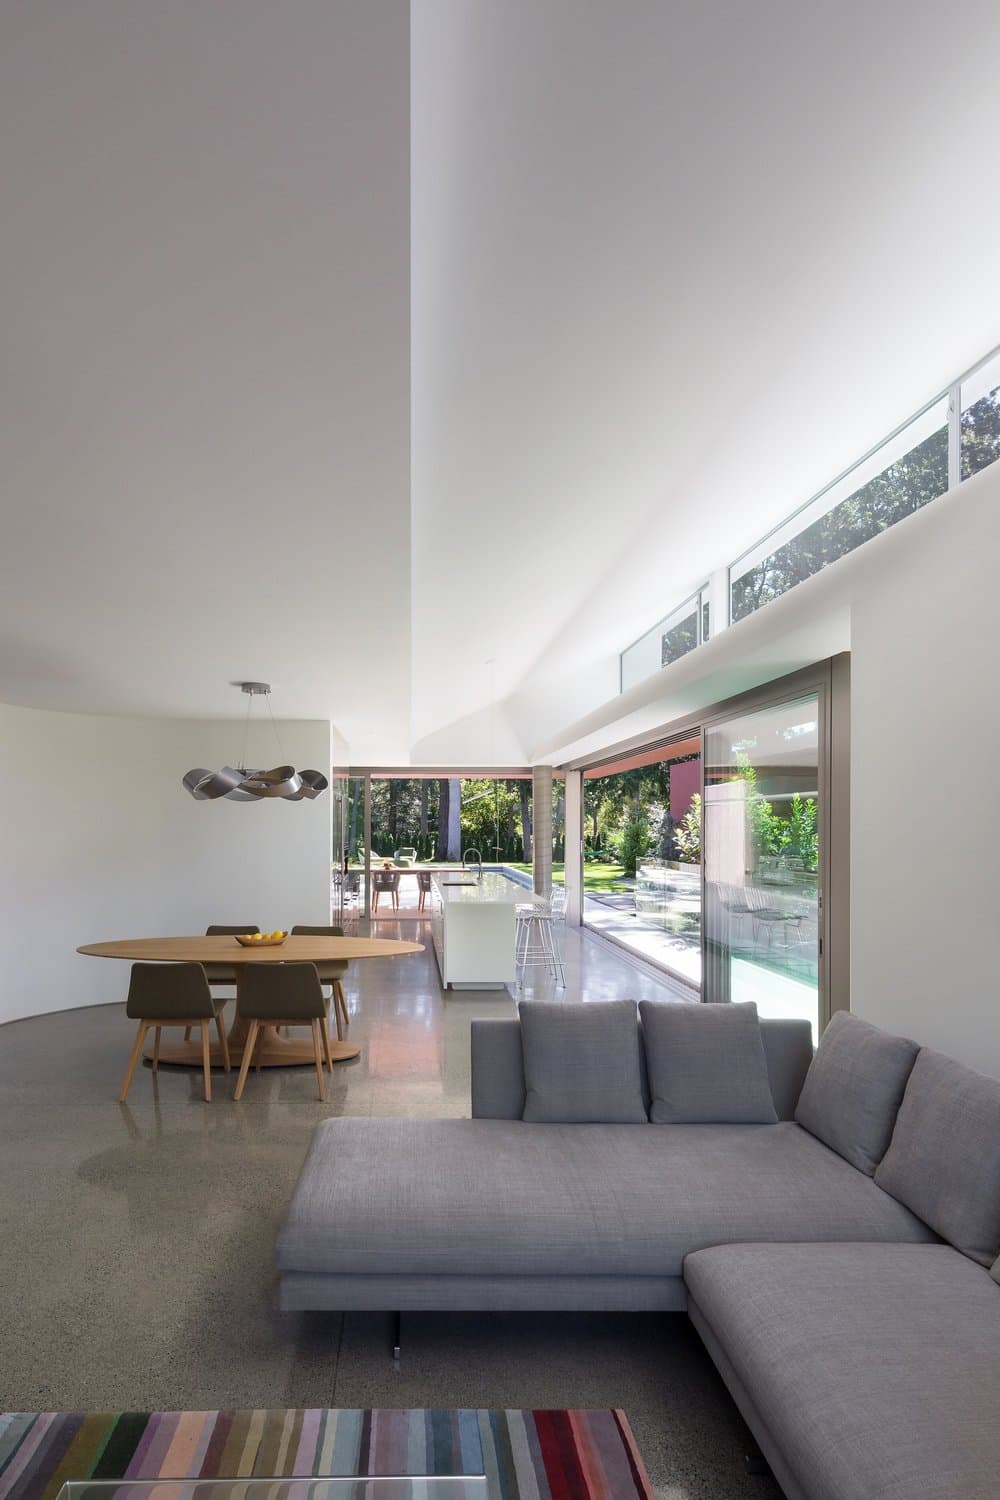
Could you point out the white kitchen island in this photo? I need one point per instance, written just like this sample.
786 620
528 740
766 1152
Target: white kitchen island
473 924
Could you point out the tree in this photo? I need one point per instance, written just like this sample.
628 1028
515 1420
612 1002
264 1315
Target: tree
450 829
635 843
904 486
980 439
524 786
688 832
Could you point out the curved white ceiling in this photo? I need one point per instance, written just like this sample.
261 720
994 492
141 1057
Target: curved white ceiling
672 267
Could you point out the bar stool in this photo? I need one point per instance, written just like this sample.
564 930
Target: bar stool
221 973
283 995
535 943
331 972
172 995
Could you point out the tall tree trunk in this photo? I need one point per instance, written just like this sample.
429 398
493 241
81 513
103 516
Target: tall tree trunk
393 812
454 818
356 797
524 787
444 797
424 790
559 822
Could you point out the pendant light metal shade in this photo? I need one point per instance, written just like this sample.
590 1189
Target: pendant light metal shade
237 784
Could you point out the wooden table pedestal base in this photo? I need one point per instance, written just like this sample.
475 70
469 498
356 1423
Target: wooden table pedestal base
274 1051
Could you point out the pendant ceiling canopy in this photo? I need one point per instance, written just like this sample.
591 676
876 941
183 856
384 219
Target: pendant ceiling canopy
241 785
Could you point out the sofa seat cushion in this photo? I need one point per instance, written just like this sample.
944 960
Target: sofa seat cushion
875 1368
506 1198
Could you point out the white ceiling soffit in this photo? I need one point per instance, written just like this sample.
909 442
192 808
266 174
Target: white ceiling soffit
674 267
204 402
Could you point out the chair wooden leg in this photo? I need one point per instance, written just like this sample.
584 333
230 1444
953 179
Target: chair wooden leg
325 1028
140 1037
248 1047
341 998
156 1048
187 1033
223 1040
318 1052
206 1061
335 1004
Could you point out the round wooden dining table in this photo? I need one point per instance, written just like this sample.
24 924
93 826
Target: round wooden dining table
273 1050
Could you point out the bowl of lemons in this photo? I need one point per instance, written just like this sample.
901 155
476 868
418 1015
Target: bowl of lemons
261 939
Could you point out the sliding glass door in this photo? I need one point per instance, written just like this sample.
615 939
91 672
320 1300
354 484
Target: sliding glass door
763 897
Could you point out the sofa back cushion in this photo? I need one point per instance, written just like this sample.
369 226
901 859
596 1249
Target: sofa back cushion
581 1062
854 1088
944 1158
706 1064
995 1269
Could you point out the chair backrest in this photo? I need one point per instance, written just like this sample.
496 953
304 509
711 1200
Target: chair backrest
216 931
303 931
385 880
424 880
274 992
158 992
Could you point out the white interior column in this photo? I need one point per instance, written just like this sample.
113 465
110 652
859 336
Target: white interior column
541 829
574 847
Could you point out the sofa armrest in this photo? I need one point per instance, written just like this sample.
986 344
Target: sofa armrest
497 1070
788 1048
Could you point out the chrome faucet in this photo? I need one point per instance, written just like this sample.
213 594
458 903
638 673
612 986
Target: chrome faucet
467 859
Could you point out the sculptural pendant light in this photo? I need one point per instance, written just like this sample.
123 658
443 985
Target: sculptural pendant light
240 785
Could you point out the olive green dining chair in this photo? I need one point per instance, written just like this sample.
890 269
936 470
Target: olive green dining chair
222 973
162 995
331 972
283 995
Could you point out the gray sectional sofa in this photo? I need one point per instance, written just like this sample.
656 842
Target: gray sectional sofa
830 1224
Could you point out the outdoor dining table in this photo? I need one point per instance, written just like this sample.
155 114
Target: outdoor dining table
273 1051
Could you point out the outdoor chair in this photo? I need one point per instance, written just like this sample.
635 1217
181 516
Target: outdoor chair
385 882
162 995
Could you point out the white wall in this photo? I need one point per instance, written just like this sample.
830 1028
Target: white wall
925 748
99 840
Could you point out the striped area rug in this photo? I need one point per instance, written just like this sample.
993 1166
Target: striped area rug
525 1455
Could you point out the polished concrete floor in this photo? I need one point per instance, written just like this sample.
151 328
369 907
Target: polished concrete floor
138 1239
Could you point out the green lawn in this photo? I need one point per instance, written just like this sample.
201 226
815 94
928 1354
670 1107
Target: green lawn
596 877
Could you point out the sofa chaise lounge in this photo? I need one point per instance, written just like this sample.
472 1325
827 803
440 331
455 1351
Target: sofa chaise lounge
830 1224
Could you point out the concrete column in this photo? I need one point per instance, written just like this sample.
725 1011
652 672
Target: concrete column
574 847
541 821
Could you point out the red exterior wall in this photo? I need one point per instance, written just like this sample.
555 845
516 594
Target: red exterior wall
685 781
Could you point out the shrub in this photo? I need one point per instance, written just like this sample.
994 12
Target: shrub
635 843
687 834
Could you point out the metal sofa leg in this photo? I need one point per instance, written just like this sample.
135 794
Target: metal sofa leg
397 1334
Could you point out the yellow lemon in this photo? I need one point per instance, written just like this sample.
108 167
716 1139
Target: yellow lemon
255 937
277 934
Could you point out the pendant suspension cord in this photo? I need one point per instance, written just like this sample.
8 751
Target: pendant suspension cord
274 726
246 734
